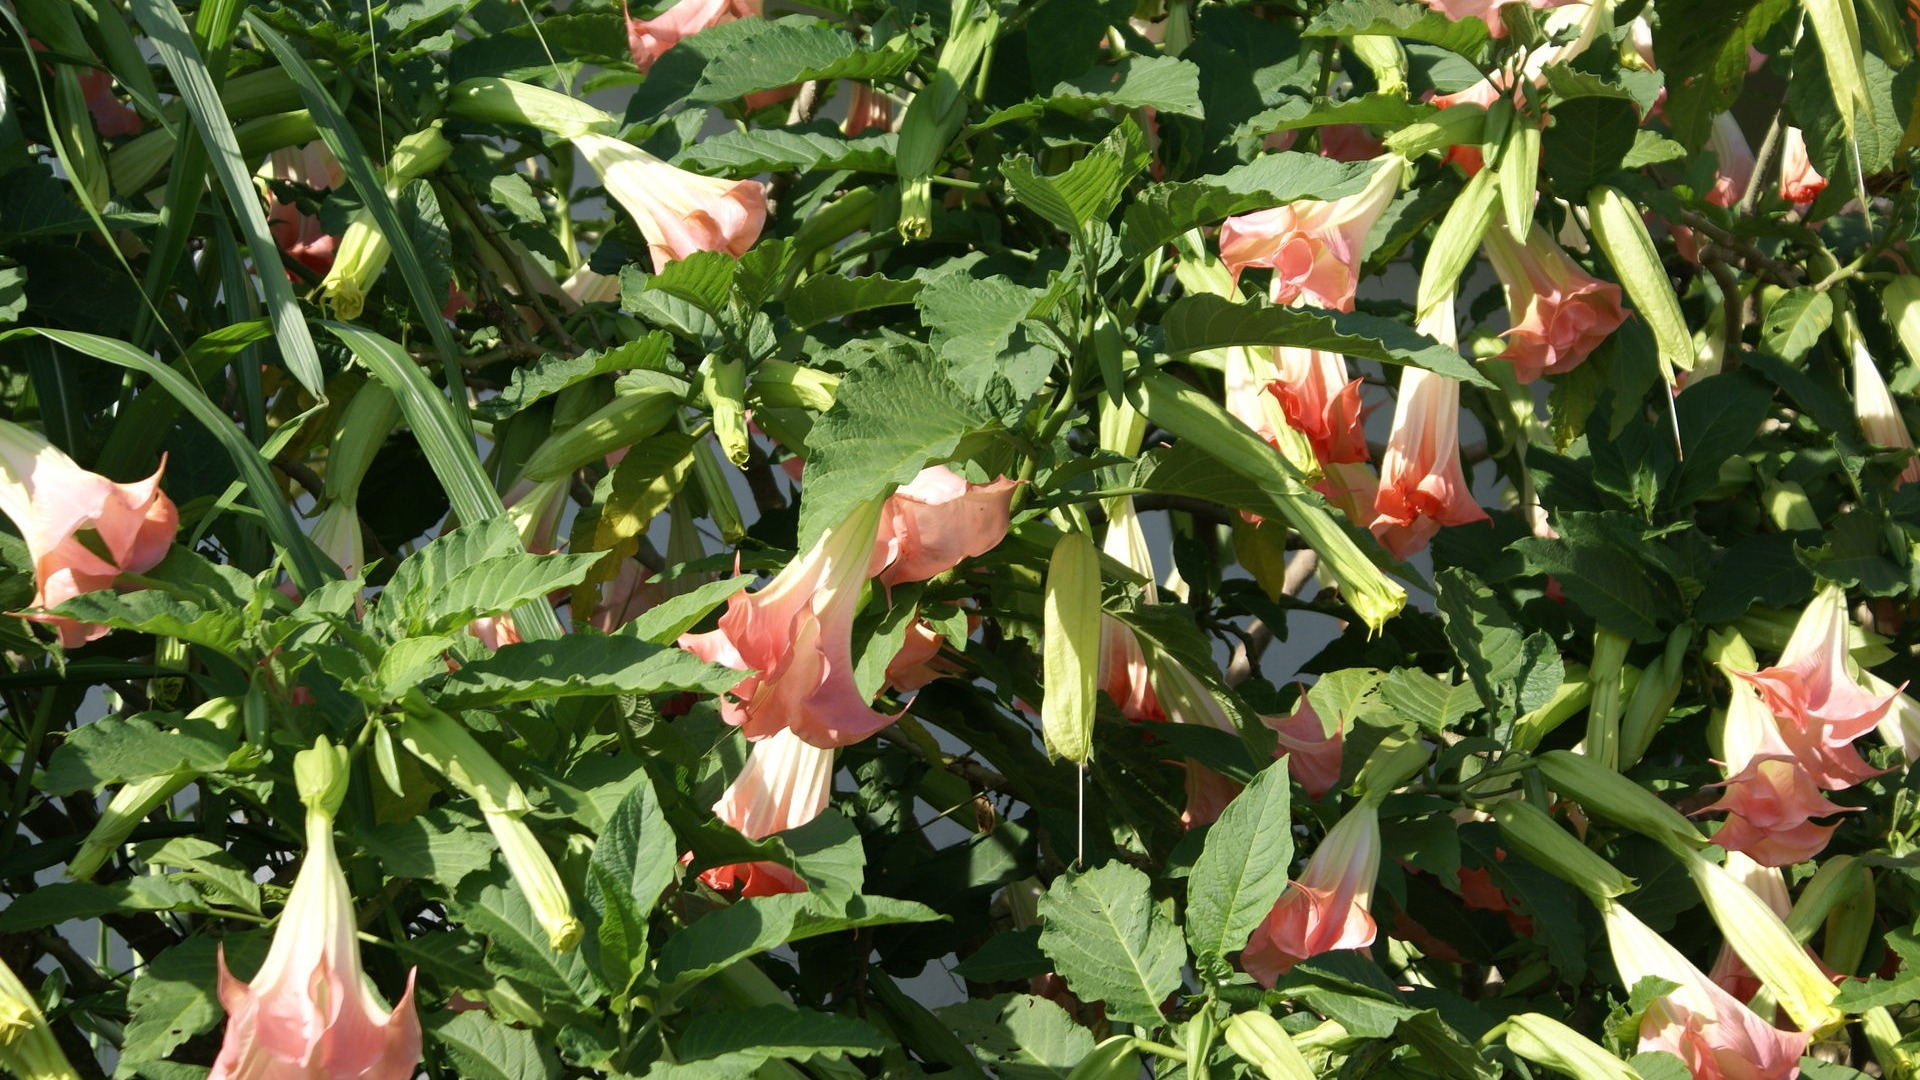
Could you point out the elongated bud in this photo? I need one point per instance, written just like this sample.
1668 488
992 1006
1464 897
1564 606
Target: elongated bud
1398 758
321 775
722 507
417 155
778 384
1116 1058
1546 1041
1385 58
504 101
618 424
1653 697
358 262
85 160
1901 300
1071 653
1838 30
1456 125
1603 714
1527 829
1520 176
127 809
1198 1039
726 389
935 114
1623 236
1762 939
1456 241
1606 793
28 1048
1572 695
363 429
1261 1042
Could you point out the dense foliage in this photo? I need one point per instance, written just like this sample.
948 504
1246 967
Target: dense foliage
1058 538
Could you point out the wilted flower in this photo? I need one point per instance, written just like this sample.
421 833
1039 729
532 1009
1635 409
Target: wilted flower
1704 1026
1560 313
311 1012
1735 169
787 782
647 39
929 525
82 529
796 637
1421 484
1326 909
1800 182
679 212
1314 247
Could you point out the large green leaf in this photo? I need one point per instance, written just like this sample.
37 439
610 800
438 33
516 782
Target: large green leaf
117 749
1512 671
1597 562
778 1031
581 665
1164 211
720 938
499 584
1111 942
1388 18
1702 47
1163 83
637 849
792 50
795 149
551 374
1242 868
1198 323
485 1048
1090 188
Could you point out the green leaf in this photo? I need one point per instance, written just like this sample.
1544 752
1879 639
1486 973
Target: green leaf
1386 18
153 612
1795 321
889 419
1111 942
778 1031
117 749
1503 664
1022 1036
1428 700
1382 109
1714 426
1199 323
1006 957
636 849
553 373
663 623
1164 83
1830 146
829 296
594 666
703 279
1702 49
1242 868
1090 188
751 925
485 1048
442 845
66 901
172 998
498 584
790 149
1595 561
495 907
221 876
170 38
796 49
1164 211
1588 139
976 326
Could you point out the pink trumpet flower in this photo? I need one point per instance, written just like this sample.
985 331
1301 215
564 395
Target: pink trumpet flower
1123 672
1487 11
631 592
1704 1026
311 1013
930 525
867 110
1322 402
1879 416
1560 312
679 212
300 235
1326 909
1314 248
1800 182
111 117
82 529
648 39
796 638
787 783
1821 707
1313 754
1770 798
1421 484
1735 169
915 665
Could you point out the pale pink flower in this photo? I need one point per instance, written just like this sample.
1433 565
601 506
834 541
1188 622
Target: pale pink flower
1730 973
787 783
1880 418
300 235
1487 11
1321 402
867 110
1326 909
679 212
1800 183
1313 753
648 39
1314 248
1123 672
82 529
1704 1026
1819 704
1735 169
311 1013
915 665
1560 313
1422 486
930 525
111 116
631 592
1770 797
796 638
1349 142
495 630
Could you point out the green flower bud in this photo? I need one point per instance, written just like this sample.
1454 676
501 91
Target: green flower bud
1071 638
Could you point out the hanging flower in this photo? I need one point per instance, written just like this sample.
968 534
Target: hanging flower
648 39
1421 484
1123 672
1734 172
1487 11
917 664
1800 183
1313 754
679 212
1812 692
300 235
1321 402
1770 797
1313 247
787 783
1560 313
311 1013
796 637
867 110
1879 417
930 525
1326 909
628 594
82 529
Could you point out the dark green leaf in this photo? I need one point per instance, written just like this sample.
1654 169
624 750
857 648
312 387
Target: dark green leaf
1111 942
1242 868
1198 323
604 666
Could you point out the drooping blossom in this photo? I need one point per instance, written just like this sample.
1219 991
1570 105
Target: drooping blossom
1734 171
300 235
1560 313
1708 1029
1313 753
1770 798
1187 700
1487 11
1250 373
1730 973
629 593
111 116
310 1013
82 529
1879 416
1820 706
1123 672
1422 486
867 110
679 212
1349 142
930 525
495 631
648 39
787 782
1800 182
916 664
336 532
796 637
1313 247
1327 908
1321 402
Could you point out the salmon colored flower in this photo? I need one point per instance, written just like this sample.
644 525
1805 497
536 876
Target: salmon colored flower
1879 416
1187 700
1487 11
1421 484
1349 142
679 212
930 525
1321 402
82 529
914 665
1123 672
867 110
111 116
495 630
1800 182
631 592
1313 753
1326 909
311 1013
1819 704
1704 1026
1770 797
1314 248
787 783
796 638
300 235
648 39
1735 169
1560 313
